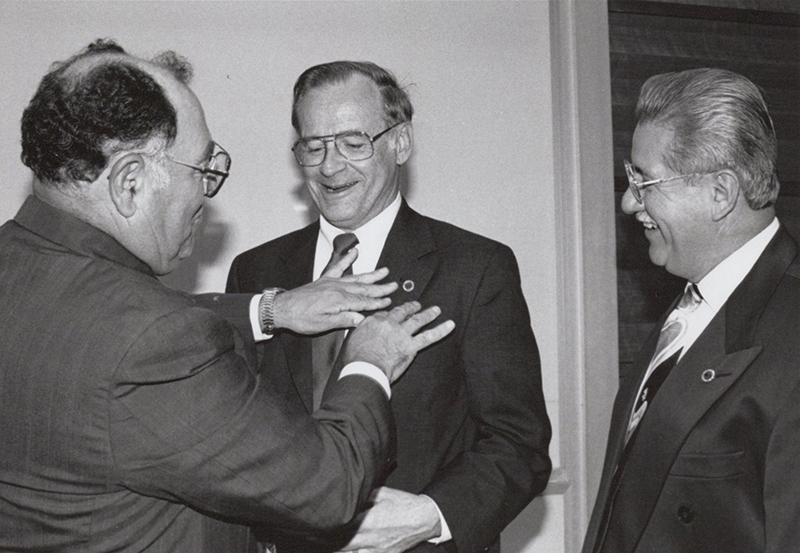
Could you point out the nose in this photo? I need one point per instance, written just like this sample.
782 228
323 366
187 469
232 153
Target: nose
333 162
630 204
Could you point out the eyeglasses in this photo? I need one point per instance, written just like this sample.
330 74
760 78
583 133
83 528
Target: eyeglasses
215 171
636 186
352 145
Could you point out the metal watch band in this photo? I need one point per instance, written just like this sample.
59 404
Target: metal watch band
266 309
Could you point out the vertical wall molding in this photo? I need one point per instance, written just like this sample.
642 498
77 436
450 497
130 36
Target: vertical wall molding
587 309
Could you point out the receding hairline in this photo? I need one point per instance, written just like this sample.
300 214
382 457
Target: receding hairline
176 92
83 66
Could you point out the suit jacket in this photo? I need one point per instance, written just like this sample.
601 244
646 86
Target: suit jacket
472 430
130 422
715 464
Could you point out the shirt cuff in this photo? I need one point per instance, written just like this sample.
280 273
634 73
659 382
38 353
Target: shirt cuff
255 320
445 535
369 370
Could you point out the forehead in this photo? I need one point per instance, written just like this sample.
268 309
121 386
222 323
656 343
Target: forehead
193 139
355 104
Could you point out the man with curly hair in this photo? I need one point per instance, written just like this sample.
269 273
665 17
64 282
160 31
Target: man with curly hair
131 419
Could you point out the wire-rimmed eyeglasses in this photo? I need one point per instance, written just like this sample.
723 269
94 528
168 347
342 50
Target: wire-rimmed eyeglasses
352 145
215 171
637 186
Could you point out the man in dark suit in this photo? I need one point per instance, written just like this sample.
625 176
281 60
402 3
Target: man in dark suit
472 429
130 421
705 434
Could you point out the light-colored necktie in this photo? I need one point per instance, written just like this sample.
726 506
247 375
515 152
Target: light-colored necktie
325 347
665 356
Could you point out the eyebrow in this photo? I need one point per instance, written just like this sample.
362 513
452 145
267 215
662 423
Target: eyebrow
647 176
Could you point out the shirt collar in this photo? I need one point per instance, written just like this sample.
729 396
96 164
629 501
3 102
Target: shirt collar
723 279
371 238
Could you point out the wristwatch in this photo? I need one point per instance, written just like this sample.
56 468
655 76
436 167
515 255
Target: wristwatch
266 309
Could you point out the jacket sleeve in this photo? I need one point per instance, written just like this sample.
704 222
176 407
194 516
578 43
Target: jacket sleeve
189 422
484 488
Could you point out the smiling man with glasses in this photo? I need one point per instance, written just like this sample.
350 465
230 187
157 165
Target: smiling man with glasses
705 434
461 474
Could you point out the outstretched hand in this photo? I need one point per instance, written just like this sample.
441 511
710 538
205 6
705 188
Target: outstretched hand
333 301
389 339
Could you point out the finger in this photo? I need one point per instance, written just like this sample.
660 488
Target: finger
413 324
361 303
372 277
403 312
370 290
433 335
337 269
346 319
352 317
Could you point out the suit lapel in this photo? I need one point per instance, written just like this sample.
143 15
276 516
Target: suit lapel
725 347
681 402
410 255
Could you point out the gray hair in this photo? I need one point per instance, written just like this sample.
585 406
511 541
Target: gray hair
396 103
720 121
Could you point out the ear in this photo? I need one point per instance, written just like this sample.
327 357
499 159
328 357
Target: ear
125 182
725 191
404 143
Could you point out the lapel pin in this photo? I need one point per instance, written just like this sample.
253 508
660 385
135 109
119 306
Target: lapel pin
408 285
708 375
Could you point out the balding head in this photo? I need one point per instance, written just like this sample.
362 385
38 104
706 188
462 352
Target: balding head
94 104
119 142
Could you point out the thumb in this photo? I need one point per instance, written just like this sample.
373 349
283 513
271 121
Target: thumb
335 270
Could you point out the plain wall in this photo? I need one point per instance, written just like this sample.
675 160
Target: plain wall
479 76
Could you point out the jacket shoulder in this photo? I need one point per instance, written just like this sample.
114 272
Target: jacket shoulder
458 241
286 243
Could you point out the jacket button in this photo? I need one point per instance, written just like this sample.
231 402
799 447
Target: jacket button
685 514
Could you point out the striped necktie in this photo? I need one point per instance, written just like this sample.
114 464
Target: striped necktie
325 347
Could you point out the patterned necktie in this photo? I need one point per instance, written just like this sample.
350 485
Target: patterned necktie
325 347
666 354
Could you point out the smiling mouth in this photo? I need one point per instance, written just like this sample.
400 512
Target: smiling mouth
337 188
647 222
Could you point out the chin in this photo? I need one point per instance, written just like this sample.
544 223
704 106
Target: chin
658 258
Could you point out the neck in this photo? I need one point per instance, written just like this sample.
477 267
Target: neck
732 236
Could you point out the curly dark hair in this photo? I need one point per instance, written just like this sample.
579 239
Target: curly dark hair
77 119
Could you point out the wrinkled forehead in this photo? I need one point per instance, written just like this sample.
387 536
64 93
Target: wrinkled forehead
353 104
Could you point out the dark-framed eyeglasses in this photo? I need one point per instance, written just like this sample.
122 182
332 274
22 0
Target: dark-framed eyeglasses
351 145
215 171
637 186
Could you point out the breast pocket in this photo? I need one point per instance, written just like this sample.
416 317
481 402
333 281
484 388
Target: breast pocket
702 465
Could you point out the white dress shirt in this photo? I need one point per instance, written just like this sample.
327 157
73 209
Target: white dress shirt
717 286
